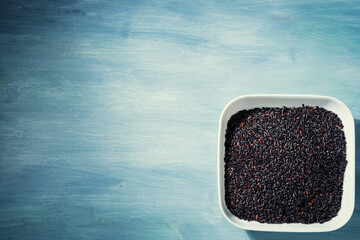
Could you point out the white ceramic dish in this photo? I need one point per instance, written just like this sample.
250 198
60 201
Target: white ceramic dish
329 103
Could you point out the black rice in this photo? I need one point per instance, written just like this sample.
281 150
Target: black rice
284 165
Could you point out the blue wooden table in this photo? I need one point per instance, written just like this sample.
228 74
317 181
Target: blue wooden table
109 109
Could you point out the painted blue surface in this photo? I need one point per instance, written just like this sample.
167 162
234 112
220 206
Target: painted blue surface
109 109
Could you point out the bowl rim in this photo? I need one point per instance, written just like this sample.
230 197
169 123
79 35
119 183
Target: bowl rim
285 227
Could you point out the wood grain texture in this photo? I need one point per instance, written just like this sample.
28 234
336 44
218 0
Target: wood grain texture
109 109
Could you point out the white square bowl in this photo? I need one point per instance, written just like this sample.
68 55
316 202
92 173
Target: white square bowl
329 103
